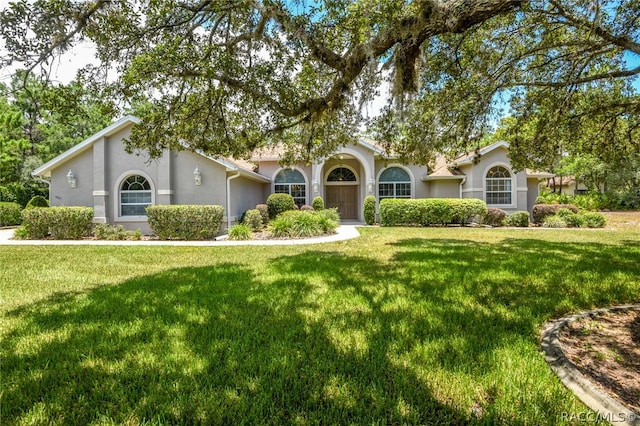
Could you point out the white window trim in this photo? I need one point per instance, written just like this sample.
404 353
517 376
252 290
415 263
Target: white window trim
514 194
307 187
340 166
406 169
116 202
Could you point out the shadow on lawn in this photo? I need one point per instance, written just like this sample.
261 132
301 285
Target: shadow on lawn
204 345
330 339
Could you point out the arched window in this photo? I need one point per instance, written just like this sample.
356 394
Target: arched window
291 181
341 174
135 195
394 182
498 186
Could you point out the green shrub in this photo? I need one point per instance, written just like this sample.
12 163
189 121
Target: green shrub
20 233
328 219
594 220
572 219
264 212
63 223
297 224
495 217
185 222
10 214
541 211
519 219
37 201
21 193
36 223
104 231
369 209
68 223
7 195
317 203
253 219
279 203
466 210
429 211
240 231
554 221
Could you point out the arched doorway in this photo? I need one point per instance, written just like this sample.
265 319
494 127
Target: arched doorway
341 191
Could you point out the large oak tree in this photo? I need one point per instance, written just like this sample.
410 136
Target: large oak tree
227 76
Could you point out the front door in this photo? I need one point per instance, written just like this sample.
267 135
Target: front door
345 199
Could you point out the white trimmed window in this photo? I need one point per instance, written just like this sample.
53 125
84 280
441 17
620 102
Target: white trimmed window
291 181
499 186
394 182
135 196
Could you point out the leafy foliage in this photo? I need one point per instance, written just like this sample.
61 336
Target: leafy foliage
37 201
279 203
185 222
9 214
541 211
253 219
518 219
495 217
240 231
63 223
104 231
369 209
299 224
317 203
430 211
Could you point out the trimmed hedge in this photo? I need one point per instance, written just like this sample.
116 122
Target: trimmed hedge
519 219
317 203
63 223
185 222
104 231
369 209
541 211
279 203
430 211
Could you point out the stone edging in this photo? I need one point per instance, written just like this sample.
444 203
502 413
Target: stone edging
607 407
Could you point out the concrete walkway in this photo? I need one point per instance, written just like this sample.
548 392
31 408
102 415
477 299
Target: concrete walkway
344 232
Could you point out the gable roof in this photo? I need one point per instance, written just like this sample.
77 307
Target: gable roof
469 158
277 151
45 169
240 166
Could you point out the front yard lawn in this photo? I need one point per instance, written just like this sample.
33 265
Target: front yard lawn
402 325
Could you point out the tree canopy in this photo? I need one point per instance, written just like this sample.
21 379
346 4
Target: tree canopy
228 76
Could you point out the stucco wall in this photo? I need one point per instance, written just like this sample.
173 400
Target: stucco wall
475 185
213 189
245 194
445 189
61 194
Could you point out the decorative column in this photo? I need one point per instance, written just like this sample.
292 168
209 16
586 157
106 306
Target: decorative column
100 193
165 190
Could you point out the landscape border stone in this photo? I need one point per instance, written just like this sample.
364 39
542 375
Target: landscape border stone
592 396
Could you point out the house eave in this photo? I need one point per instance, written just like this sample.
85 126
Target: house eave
431 177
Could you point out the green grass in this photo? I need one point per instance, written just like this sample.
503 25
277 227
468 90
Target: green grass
437 326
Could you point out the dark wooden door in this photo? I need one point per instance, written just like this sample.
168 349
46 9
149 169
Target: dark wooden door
345 198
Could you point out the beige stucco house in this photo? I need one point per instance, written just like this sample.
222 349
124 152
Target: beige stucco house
99 173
